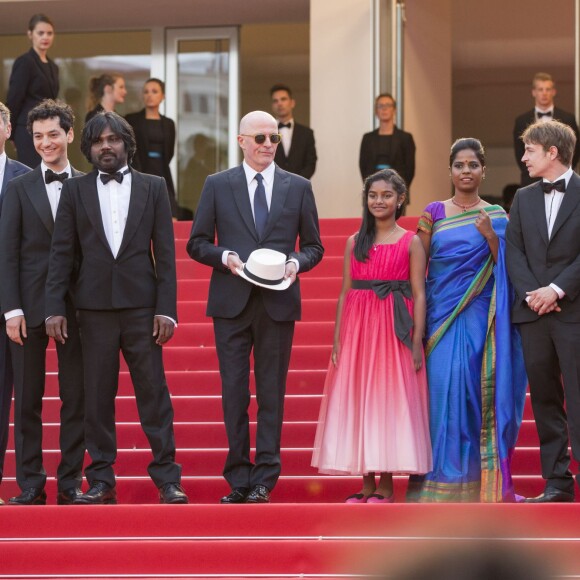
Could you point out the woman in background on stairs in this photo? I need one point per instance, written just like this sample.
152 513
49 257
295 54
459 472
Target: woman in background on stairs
106 92
374 414
475 368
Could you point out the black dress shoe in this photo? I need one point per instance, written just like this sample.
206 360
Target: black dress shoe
259 494
172 493
30 496
552 495
68 496
237 495
99 493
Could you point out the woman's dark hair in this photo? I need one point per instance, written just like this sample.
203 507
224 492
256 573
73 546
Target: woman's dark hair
105 120
97 87
158 81
37 19
467 143
367 232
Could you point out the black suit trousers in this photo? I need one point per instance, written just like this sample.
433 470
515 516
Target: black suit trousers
6 382
106 333
29 382
552 356
271 342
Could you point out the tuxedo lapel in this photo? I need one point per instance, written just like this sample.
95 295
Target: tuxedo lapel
239 187
90 199
8 175
279 193
569 203
539 211
39 199
140 192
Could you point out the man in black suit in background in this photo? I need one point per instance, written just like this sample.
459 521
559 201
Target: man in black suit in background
543 260
26 229
255 205
126 297
9 169
297 152
543 92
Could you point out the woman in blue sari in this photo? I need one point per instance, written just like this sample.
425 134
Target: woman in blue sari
475 369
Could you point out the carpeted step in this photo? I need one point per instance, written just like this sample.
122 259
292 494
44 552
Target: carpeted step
209 462
311 287
208 490
211 435
194 358
208 382
313 309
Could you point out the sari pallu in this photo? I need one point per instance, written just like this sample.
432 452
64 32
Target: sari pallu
475 369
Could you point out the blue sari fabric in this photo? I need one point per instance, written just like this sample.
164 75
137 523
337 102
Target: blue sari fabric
475 368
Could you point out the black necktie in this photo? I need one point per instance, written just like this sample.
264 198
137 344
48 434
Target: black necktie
260 205
50 176
118 177
539 114
284 125
559 185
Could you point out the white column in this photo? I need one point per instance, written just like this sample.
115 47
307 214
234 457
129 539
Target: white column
341 60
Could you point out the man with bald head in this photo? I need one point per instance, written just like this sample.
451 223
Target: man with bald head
252 206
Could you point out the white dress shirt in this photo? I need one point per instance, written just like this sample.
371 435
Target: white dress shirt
552 203
287 136
2 167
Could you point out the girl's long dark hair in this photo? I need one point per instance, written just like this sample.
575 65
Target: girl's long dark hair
366 235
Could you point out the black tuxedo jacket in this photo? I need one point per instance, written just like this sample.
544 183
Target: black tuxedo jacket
26 229
302 155
143 273
535 261
402 154
30 83
138 122
521 125
225 209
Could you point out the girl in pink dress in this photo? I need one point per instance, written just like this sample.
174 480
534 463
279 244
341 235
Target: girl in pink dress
374 414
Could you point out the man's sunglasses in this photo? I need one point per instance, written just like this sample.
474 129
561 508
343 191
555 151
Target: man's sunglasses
260 138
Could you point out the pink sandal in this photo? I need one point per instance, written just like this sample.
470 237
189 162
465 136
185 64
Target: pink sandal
357 498
378 498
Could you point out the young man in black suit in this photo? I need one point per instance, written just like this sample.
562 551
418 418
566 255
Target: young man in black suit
26 229
543 259
297 152
126 297
255 205
9 169
543 92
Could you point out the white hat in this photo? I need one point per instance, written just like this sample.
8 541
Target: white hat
266 268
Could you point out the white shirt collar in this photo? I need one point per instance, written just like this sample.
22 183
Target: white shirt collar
267 174
122 170
566 176
3 158
43 168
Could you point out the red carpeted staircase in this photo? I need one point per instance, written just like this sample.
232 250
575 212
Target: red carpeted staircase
307 531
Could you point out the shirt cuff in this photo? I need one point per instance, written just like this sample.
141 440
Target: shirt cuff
168 318
225 255
295 262
13 313
558 291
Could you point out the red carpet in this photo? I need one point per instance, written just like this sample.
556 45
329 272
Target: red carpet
307 531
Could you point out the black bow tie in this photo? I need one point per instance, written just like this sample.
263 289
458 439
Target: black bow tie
559 185
50 176
539 114
118 177
284 125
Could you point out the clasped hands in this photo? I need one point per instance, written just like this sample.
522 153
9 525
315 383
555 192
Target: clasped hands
543 300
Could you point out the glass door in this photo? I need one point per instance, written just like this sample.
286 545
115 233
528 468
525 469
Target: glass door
203 99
